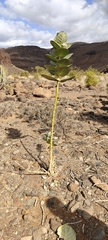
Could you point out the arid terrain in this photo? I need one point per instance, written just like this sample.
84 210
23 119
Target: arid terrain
33 205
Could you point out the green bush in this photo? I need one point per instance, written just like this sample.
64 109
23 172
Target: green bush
24 74
91 77
38 71
76 74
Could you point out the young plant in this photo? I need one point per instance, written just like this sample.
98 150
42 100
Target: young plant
58 68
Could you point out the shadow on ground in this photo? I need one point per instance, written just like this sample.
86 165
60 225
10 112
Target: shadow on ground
86 226
102 118
98 117
13 133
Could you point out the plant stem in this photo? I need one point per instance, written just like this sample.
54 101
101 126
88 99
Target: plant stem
51 165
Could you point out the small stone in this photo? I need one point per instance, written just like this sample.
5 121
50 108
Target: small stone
20 89
16 152
99 184
73 187
28 218
2 96
26 238
30 201
37 234
75 207
87 213
87 202
1 186
71 204
41 92
54 223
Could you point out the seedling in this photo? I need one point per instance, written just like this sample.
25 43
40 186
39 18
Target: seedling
58 68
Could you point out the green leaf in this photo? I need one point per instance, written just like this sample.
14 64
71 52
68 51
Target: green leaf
66 45
68 56
67 79
62 71
61 37
49 77
63 62
55 44
53 63
62 52
51 57
66 232
50 67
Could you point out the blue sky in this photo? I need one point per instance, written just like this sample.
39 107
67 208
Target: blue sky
89 1
35 22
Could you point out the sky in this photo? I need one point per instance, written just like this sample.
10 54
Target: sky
36 22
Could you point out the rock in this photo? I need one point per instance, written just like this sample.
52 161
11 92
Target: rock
19 88
99 184
54 223
71 204
26 238
41 92
2 96
75 207
21 98
73 187
28 218
87 202
37 235
87 212
1 186
99 234
30 201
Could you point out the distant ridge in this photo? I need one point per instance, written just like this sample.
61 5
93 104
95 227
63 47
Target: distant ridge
84 55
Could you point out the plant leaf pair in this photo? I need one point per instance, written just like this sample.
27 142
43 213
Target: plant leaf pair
66 232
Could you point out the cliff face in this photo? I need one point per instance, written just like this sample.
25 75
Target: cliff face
84 55
94 54
27 57
4 57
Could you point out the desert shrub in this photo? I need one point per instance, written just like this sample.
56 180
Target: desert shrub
76 74
38 71
24 74
91 77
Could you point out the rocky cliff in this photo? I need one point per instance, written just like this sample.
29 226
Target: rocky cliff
4 57
84 55
27 57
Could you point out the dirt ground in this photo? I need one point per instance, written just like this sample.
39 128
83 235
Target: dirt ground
33 206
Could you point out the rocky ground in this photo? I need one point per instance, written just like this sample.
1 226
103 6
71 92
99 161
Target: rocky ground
32 205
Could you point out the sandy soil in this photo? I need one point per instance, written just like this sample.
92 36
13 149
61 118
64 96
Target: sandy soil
33 206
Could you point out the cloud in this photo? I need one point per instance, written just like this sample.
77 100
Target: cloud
35 22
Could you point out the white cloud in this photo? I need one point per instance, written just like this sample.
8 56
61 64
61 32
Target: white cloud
35 22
